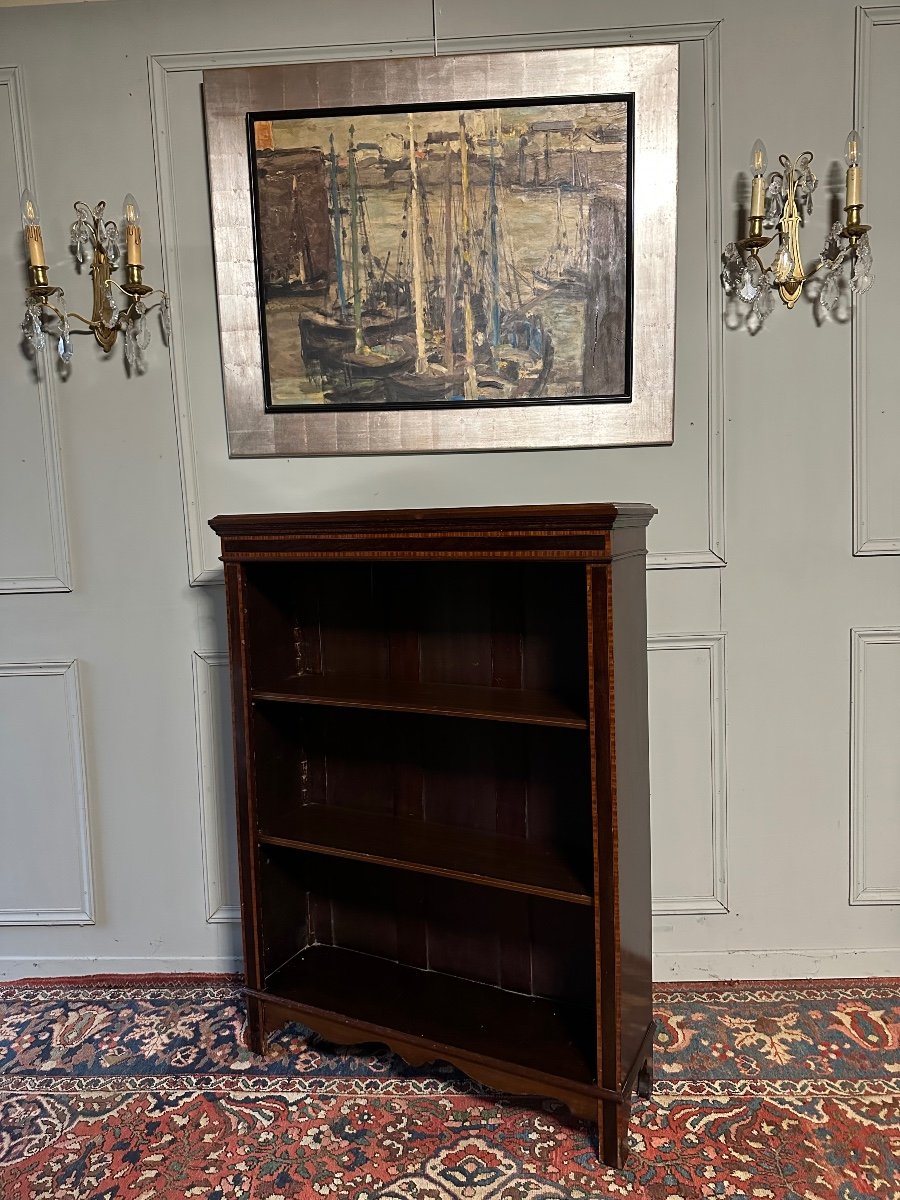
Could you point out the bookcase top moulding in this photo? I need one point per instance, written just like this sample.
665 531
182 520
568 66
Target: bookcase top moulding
575 531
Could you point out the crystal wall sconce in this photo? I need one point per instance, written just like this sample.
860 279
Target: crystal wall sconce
117 307
779 202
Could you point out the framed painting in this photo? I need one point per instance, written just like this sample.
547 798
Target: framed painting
455 253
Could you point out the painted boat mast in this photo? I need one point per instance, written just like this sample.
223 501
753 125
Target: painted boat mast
338 236
303 256
418 267
448 263
354 244
495 249
471 381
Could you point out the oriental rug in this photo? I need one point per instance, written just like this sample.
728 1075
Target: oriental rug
142 1089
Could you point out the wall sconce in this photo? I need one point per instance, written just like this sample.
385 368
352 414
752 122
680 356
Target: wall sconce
94 240
779 203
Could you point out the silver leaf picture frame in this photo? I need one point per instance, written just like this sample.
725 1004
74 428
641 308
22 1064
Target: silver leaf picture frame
620 390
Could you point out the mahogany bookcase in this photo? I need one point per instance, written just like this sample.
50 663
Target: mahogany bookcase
440 730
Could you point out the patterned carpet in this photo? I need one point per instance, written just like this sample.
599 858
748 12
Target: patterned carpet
127 1090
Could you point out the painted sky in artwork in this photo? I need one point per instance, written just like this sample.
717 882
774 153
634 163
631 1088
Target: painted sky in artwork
384 128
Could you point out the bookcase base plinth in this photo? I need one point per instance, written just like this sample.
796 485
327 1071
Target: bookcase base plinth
610 1109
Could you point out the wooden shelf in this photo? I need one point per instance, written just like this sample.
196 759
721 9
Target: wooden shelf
439 699
445 1014
456 853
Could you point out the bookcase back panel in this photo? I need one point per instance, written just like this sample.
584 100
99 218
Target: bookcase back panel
284 901
520 943
493 777
519 625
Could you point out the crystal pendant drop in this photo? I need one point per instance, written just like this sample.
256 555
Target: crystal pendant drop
774 203
783 266
733 267
33 327
863 275
864 252
142 333
64 345
828 296
110 314
81 240
807 184
748 289
165 318
765 301
130 345
732 313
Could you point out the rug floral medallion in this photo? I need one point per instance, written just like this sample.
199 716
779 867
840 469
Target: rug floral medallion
129 1090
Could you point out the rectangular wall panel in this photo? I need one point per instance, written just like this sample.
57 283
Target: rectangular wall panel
876 399
687 773
688 490
875 769
212 708
33 555
687 733
46 876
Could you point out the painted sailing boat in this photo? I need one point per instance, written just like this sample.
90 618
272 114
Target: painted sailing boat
544 178
298 275
356 322
565 266
491 346
472 332
435 375
516 360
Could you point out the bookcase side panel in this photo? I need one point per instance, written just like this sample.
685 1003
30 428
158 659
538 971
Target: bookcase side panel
238 654
632 793
603 816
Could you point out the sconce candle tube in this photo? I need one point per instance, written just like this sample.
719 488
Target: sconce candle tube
758 163
31 222
852 155
758 197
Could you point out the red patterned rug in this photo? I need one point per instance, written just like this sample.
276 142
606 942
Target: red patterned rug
143 1090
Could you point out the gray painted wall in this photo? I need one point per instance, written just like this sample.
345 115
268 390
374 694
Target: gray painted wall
775 679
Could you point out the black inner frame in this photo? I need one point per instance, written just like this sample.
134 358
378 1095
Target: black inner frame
626 98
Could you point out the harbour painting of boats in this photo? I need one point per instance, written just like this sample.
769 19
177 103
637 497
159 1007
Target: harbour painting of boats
456 256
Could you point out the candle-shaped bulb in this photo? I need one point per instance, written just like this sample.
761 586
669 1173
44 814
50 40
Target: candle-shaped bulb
30 213
31 221
759 159
131 211
853 150
132 217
